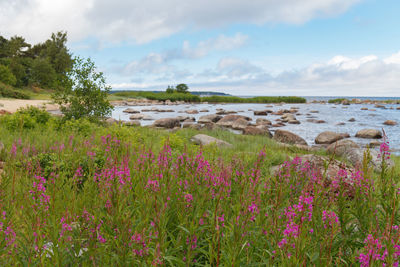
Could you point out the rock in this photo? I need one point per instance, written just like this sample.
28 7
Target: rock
211 126
320 162
251 130
345 102
228 120
225 112
136 117
167 123
288 137
111 121
165 110
278 125
192 111
340 147
240 124
352 120
375 143
204 110
356 156
329 137
314 111
209 118
202 139
390 122
261 121
380 106
341 123
185 118
131 123
130 110
195 126
372 109
260 113
369 133
294 122
288 117
187 124
364 108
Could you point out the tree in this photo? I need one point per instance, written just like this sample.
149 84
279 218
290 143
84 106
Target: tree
43 73
84 92
6 76
170 90
182 88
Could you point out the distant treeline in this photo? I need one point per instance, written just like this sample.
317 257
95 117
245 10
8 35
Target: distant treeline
43 65
162 96
204 93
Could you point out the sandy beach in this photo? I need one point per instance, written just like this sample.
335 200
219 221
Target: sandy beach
12 105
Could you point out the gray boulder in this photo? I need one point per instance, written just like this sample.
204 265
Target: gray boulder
202 139
369 133
251 130
209 118
288 137
131 110
240 124
329 137
228 120
340 147
169 123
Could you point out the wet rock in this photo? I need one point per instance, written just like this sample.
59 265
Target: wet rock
136 117
288 137
390 122
262 121
340 123
278 125
375 144
204 110
314 111
192 111
187 124
369 133
251 130
329 137
209 118
225 112
352 120
131 111
260 112
202 139
372 109
364 108
294 122
167 123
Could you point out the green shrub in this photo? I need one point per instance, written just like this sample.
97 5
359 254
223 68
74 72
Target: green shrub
28 118
6 76
257 99
10 92
336 100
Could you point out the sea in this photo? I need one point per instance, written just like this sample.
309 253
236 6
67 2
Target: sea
337 117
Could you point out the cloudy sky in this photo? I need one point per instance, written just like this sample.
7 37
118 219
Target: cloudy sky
241 47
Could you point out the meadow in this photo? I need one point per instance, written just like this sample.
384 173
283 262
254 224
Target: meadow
78 193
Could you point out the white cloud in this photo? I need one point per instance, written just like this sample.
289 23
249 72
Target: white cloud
340 76
144 21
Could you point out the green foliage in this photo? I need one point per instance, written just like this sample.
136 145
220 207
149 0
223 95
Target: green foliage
43 73
9 92
6 76
28 118
182 88
170 90
84 92
336 100
45 64
258 99
159 96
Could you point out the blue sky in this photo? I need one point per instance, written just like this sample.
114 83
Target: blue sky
252 47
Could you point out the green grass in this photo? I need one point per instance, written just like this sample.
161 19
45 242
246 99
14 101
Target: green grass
258 99
76 193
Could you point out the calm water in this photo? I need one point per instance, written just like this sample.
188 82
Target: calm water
331 113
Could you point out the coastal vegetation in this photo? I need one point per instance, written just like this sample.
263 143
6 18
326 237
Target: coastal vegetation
79 193
257 99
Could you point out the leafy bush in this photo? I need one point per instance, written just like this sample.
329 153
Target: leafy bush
28 118
84 93
336 100
6 76
10 92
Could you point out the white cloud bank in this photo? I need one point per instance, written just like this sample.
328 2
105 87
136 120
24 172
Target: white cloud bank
345 76
143 21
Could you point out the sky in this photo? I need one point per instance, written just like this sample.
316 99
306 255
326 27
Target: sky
240 47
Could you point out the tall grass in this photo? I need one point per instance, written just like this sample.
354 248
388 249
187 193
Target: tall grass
159 96
78 194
